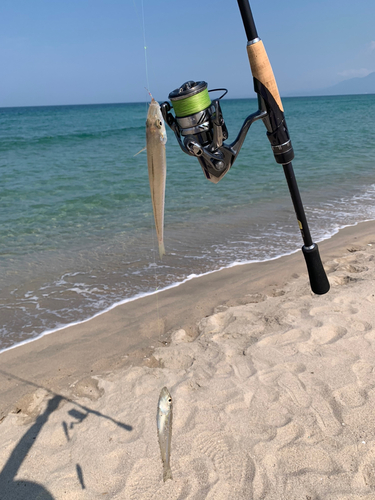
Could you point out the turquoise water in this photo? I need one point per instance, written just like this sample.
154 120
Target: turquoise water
76 225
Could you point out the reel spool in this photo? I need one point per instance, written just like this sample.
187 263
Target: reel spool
195 117
200 128
190 99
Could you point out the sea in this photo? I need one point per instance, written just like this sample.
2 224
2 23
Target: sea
77 234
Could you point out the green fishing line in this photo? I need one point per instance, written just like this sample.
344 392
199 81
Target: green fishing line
191 105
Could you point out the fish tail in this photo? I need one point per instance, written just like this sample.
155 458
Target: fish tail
161 249
167 473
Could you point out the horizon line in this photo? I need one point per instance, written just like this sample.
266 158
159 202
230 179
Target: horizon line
289 96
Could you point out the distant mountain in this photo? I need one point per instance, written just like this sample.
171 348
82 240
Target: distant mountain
361 85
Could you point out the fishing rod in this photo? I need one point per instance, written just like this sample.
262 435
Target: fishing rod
200 130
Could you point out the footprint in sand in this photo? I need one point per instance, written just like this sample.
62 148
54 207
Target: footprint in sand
351 396
216 446
364 373
241 486
353 249
255 298
243 367
341 306
290 337
331 266
299 459
360 326
202 477
173 358
295 389
325 416
367 470
347 301
288 434
233 466
216 323
355 268
87 387
327 334
150 486
341 280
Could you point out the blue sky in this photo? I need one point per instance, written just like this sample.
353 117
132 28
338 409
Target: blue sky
92 51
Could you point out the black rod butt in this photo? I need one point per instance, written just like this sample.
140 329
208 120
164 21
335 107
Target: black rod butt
318 278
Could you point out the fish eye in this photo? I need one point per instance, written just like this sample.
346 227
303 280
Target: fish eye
170 400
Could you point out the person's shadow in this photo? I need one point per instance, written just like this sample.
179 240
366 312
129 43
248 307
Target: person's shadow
28 490
25 490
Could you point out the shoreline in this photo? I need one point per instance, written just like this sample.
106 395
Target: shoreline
127 334
140 297
144 295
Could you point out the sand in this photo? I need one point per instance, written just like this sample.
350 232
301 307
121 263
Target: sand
272 387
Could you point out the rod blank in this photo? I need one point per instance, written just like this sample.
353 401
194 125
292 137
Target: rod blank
247 19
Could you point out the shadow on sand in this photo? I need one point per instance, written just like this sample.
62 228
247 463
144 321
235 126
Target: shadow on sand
11 489
25 490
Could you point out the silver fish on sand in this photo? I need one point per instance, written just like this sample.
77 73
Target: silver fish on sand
164 424
156 137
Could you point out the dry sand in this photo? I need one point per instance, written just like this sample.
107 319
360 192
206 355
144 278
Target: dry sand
273 390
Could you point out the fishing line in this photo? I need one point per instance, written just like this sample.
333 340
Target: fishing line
153 231
144 44
142 22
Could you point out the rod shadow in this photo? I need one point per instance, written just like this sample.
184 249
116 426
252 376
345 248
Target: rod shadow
83 407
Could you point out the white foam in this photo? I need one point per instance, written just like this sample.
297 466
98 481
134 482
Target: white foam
140 296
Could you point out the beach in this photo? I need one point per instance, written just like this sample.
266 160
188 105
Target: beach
77 226
272 389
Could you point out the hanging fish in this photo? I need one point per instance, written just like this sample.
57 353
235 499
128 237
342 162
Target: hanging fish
156 137
164 424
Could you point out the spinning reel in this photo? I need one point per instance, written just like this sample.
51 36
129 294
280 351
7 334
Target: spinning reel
200 128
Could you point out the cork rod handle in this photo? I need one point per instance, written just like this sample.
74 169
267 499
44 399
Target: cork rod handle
262 69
